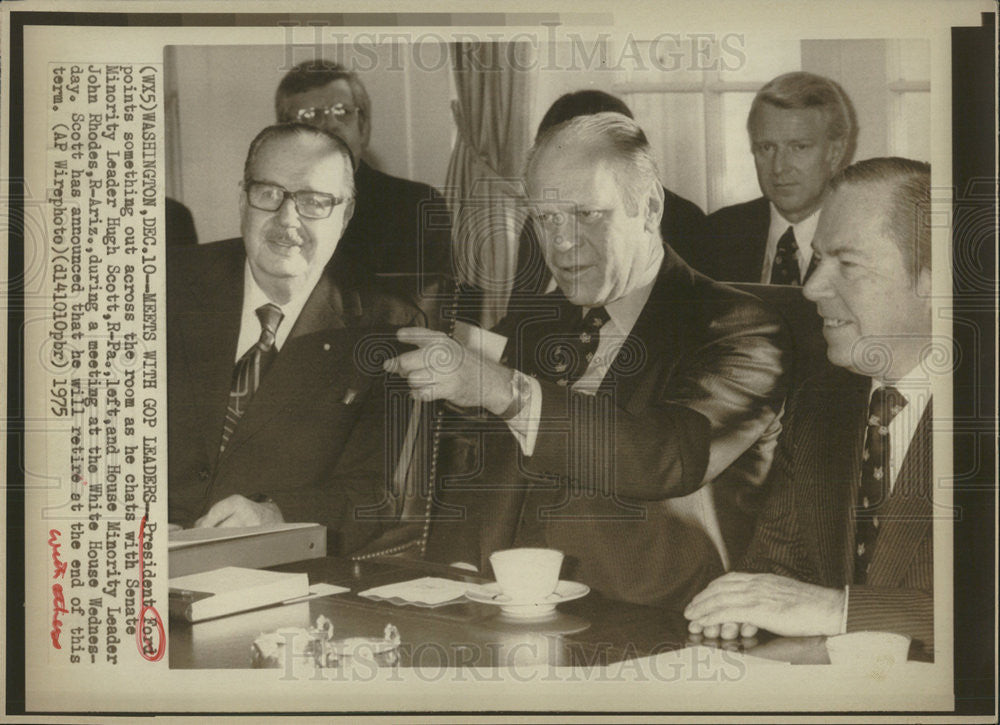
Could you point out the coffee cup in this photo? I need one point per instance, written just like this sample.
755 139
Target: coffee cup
527 575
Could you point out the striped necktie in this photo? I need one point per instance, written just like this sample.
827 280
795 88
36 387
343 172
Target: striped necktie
250 369
874 489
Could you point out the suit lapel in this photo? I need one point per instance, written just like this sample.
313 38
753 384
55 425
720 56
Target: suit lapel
761 226
210 336
657 343
840 426
314 348
908 512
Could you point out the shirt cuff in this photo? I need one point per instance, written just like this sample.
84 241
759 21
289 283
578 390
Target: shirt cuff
524 425
847 602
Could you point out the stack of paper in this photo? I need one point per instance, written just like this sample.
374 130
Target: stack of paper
232 589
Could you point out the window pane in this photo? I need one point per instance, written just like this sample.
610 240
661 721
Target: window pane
912 132
739 177
675 126
914 60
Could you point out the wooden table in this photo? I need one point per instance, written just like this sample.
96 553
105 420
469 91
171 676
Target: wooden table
590 631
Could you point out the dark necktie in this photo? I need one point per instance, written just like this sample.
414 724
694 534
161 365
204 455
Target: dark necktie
785 269
874 489
250 369
571 356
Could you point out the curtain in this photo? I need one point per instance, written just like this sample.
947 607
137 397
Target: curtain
494 88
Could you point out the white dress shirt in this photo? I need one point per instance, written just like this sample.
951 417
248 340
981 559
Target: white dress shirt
622 314
804 232
254 297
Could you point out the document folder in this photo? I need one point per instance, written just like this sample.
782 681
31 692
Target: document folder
197 550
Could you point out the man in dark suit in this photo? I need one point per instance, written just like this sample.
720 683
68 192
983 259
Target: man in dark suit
802 130
680 227
399 226
845 541
636 380
270 418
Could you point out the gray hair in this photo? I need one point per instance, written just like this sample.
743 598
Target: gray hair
612 136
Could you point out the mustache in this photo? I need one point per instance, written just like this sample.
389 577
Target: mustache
285 236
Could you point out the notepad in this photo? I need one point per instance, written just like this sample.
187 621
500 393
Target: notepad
427 591
232 589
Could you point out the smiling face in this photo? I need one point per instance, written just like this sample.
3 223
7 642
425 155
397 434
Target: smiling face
352 128
287 251
876 315
794 157
596 251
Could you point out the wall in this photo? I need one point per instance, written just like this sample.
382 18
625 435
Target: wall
695 118
221 96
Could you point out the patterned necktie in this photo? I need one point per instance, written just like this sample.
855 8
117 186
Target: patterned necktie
874 489
571 356
250 369
785 269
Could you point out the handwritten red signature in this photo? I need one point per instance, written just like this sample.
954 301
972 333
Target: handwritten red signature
58 564
58 607
58 600
143 640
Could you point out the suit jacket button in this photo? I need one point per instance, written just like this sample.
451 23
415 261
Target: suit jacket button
203 474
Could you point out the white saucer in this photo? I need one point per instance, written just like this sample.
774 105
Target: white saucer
566 591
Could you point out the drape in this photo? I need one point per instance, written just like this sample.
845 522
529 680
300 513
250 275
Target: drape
494 88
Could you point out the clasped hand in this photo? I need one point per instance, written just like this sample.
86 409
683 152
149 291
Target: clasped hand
443 369
238 510
738 604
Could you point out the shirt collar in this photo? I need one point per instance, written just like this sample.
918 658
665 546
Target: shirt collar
254 297
804 229
626 310
915 383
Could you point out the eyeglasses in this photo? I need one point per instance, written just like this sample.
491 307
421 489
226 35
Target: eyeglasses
338 111
309 204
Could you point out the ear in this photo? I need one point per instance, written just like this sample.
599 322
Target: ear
654 208
348 213
835 153
365 126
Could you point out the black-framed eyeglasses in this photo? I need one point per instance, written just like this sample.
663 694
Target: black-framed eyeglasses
309 204
338 112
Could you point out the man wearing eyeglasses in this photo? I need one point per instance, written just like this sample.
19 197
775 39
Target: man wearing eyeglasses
270 419
399 226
